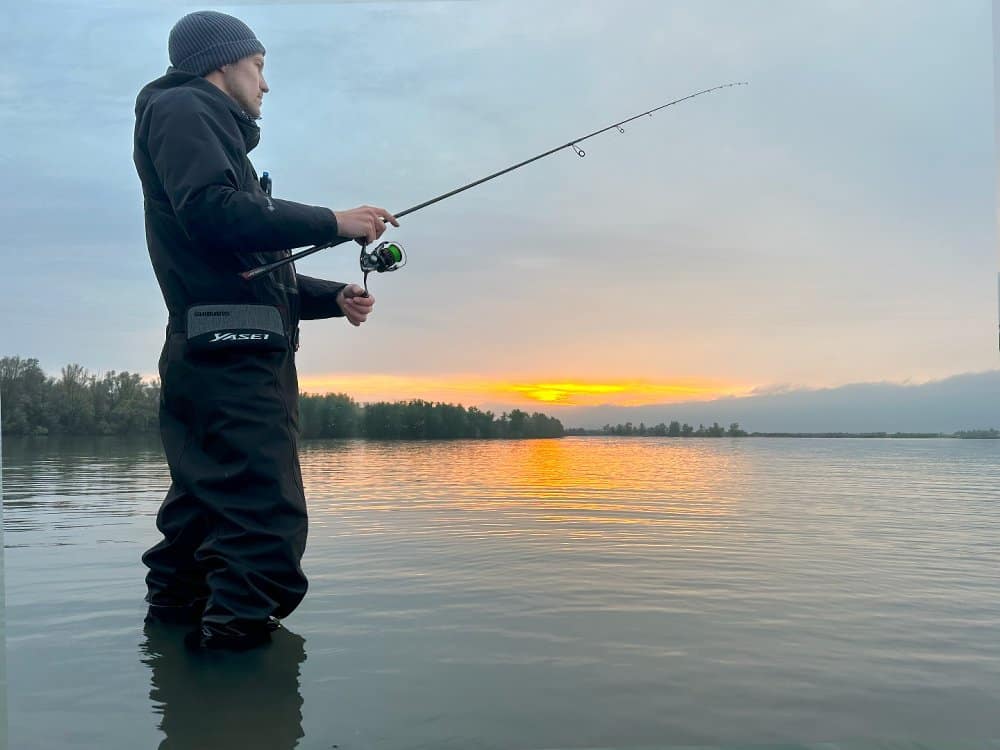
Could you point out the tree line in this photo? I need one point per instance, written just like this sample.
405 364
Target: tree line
339 416
76 403
122 403
674 429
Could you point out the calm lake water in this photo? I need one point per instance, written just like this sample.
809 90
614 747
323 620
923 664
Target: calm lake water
583 592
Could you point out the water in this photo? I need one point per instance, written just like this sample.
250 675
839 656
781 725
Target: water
583 592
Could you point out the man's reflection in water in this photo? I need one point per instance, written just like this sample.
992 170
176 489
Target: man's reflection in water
225 700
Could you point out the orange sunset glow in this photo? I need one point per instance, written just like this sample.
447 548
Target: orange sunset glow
472 390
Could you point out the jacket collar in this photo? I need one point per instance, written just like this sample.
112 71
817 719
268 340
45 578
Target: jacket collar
248 127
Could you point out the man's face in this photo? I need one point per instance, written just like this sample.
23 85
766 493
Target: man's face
244 80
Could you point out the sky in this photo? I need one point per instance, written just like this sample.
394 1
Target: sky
833 222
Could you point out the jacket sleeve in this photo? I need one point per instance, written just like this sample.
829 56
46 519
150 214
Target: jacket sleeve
318 298
198 160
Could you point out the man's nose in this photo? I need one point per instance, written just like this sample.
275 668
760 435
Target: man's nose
263 86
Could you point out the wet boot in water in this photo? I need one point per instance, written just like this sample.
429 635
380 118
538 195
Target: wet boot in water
175 614
238 636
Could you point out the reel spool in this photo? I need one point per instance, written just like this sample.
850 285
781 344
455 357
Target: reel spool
385 257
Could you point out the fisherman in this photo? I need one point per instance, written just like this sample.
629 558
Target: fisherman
234 519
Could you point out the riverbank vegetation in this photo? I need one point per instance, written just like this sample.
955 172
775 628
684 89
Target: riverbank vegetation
122 403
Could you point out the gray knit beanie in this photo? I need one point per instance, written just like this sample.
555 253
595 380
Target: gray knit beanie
206 40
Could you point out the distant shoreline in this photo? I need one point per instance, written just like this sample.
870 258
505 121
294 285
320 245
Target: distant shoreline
579 432
961 435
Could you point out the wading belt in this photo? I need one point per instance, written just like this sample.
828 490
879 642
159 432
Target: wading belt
250 327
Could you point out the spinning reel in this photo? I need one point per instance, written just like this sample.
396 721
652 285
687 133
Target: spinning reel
384 257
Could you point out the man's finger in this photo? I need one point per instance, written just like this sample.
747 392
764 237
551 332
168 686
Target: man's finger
355 298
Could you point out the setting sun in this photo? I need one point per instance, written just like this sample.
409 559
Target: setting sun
470 391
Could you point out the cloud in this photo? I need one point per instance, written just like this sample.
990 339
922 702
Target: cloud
966 401
820 226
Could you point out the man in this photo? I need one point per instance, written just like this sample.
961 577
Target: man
234 518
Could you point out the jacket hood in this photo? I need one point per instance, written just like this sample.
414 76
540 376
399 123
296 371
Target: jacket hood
179 79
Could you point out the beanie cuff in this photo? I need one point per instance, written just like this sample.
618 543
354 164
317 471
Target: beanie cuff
214 57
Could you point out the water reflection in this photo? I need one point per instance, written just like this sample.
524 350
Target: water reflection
64 482
582 592
221 700
586 481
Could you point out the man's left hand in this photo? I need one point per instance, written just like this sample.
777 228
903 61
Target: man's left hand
355 305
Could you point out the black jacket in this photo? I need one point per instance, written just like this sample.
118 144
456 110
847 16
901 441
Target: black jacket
207 217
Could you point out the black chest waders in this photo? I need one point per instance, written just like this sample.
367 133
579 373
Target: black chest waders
234 519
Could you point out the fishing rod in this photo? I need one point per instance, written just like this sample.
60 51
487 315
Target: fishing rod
389 256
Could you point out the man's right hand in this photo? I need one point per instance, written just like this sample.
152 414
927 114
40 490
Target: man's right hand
364 223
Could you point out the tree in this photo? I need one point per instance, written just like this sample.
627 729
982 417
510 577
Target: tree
25 392
516 423
332 415
122 405
74 401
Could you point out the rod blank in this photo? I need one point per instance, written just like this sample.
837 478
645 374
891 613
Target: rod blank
255 272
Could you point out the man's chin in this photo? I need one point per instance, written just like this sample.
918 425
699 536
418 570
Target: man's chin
252 108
